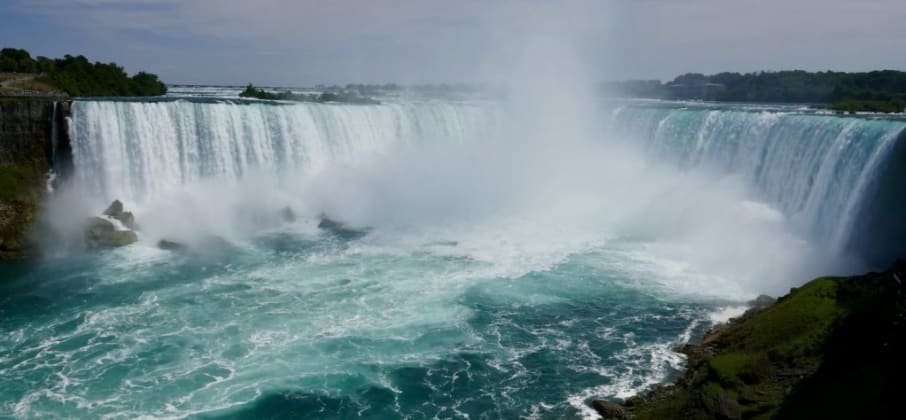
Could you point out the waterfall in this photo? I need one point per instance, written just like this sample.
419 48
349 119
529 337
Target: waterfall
137 150
818 169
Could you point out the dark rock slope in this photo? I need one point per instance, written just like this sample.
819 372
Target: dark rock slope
831 349
26 157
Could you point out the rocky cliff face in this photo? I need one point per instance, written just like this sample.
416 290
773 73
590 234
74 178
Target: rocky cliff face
27 148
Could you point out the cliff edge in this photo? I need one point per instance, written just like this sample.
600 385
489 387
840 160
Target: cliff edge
27 148
830 349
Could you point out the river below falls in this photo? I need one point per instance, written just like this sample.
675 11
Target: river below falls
302 322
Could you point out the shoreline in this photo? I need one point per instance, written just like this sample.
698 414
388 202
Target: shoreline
833 337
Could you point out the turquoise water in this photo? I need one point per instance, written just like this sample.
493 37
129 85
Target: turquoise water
312 324
493 265
815 168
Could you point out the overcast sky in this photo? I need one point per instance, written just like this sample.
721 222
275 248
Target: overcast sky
305 42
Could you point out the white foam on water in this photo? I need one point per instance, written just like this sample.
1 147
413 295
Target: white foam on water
640 367
491 178
449 198
725 314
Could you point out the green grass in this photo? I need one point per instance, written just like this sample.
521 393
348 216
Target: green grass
18 182
792 328
680 404
754 357
738 369
20 192
832 348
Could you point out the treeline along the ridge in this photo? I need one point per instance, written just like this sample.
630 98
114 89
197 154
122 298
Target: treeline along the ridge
882 91
77 76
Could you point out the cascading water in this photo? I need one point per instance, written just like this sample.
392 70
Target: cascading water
136 150
817 169
480 277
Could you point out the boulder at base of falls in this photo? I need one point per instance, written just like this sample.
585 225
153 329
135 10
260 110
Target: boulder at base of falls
116 211
340 229
329 224
100 233
168 245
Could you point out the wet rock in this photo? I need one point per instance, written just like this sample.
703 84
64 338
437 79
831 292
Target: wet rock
340 229
7 214
122 238
128 220
100 233
288 215
8 218
116 211
168 245
330 224
695 354
609 410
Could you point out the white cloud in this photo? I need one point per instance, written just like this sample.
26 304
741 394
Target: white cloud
309 41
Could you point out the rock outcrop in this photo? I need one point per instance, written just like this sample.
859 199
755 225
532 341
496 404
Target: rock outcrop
609 410
27 154
169 245
340 229
327 223
101 233
115 210
829 349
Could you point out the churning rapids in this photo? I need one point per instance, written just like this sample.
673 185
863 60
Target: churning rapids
492 266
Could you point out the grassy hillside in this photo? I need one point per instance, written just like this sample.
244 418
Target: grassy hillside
832 348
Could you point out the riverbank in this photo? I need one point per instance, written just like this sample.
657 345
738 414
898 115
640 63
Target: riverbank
829 349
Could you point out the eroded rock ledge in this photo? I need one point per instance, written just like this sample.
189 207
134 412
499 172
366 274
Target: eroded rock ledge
32 141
